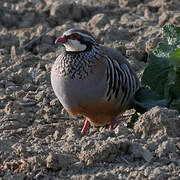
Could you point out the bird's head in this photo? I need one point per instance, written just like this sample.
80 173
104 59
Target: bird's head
76 40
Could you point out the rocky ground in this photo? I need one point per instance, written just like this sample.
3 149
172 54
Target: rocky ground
37 138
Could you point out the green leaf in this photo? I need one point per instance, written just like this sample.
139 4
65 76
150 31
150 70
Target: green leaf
145 99
173 83
163 50
169 84
172 34
162 74
156 74
175 89
175 58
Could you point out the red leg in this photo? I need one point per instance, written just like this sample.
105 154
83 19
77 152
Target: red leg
85 127
111 126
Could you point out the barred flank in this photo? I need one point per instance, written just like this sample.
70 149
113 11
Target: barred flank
121 82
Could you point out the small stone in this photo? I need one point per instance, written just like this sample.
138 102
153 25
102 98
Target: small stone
56 135
163 18
13 53
130 3
59 161
139 152
158 122
62 10
147 155
166 148
99 20
41 77
176 19
12 107
55 102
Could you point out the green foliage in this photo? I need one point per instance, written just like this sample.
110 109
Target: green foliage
145 99
171 33
162 75
156 74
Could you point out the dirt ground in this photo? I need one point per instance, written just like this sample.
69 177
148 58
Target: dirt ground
37 138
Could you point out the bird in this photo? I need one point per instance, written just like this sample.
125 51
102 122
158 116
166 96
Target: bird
92 80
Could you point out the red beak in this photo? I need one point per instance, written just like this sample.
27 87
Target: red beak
61 39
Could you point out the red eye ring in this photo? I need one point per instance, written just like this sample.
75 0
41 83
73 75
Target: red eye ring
74 36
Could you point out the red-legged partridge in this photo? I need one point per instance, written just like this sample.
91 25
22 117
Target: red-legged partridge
92 80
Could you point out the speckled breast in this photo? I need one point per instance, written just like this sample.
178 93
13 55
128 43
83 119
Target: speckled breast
76 81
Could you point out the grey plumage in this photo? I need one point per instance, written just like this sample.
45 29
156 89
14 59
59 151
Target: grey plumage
92 76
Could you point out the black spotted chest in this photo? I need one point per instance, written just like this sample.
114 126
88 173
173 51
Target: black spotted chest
76 66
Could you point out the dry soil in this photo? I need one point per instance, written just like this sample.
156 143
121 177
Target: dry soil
38 140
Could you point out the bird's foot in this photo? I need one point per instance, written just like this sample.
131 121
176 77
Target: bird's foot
85 127
112 123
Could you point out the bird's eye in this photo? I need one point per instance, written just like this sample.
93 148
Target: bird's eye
74 36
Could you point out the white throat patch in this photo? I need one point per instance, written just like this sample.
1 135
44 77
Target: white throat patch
74 45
